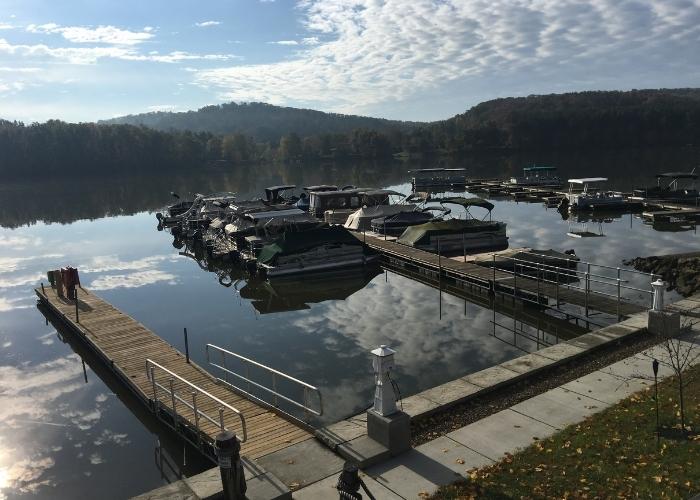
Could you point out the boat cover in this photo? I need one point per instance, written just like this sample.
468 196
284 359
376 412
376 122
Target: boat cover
362 218
298 241
414 234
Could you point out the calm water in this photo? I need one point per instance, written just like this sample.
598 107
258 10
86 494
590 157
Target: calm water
68 430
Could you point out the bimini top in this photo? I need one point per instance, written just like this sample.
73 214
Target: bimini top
587 180
678 175
280 188
466 202
298 241
539 168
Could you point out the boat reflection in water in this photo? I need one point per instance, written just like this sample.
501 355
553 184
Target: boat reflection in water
293 294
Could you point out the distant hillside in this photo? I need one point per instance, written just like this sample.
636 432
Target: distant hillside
263 122
602 119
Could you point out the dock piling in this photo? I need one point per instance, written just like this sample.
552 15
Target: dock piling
42 288
228 452
77 314
187 348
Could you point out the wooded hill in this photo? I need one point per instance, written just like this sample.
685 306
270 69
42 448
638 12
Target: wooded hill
566 122
264 122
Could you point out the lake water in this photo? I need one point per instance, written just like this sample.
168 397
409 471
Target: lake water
69 431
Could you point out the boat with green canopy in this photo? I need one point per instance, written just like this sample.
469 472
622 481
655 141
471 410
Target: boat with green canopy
458 235
322 248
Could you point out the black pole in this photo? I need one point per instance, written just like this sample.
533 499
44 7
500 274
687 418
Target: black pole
228 453
187 348
43 292
77 316
655 366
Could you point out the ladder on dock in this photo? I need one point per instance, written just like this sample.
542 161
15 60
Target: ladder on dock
183 395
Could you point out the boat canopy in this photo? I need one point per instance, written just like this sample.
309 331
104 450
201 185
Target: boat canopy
539 168
362 218
677 175
587 180
466 202
298 241
414 234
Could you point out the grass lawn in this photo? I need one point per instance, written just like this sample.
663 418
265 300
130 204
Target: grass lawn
612 454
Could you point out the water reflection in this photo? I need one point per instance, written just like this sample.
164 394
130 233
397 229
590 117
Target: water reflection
64 438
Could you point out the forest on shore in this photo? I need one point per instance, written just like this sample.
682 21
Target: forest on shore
232 134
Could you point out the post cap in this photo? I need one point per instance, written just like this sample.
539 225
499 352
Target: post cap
659 282
383 351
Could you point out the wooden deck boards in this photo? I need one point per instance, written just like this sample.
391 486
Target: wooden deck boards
504 280
126 345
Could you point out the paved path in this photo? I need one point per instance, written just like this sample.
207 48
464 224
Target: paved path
447 458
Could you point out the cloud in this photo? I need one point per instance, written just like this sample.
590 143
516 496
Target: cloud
206 24
383 52
285 42
6 26
101 34
133 280
8 69
91 55
111 263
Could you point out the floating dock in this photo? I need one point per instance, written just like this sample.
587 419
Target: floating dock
535 289
182 394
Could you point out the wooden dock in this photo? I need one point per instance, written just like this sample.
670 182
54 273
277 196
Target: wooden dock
688 214
494 279
124 345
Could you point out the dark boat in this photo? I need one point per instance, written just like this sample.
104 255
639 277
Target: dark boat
670 188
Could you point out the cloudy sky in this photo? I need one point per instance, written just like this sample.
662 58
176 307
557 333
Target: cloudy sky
407 59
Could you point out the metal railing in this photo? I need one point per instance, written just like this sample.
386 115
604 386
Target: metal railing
307 389
191 400
570 277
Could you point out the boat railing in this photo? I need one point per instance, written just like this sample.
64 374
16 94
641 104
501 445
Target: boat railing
592 281
311 401
187 402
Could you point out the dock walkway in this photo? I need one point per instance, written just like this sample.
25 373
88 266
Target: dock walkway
505 282
125 345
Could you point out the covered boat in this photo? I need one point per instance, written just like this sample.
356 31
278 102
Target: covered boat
456 235
323 248
362 218
303 202
452 235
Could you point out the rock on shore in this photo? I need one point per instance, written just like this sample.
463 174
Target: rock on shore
681 272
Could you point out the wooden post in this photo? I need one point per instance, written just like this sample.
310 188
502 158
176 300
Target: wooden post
187 348
77 315
43 292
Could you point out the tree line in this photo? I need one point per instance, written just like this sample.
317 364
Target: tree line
576 121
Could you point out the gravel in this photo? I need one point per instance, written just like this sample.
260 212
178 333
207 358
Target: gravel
436 425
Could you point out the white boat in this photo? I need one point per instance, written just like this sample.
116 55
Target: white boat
361 219
591 198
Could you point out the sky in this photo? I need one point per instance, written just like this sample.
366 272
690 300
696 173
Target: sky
423 60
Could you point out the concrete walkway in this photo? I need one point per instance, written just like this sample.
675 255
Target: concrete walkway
448 458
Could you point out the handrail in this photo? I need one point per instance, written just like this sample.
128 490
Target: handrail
198 413
305 405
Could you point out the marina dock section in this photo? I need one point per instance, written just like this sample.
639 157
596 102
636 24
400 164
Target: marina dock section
182 394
